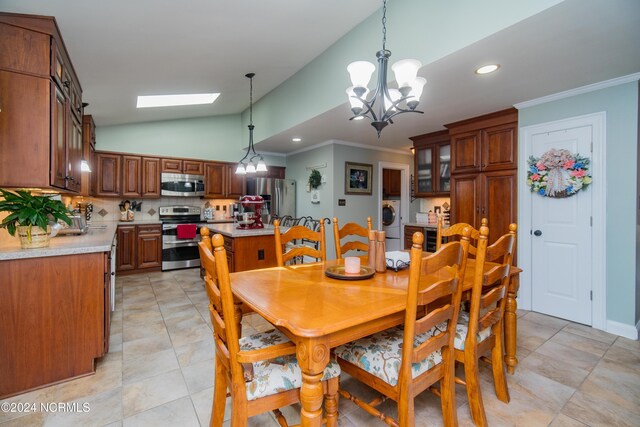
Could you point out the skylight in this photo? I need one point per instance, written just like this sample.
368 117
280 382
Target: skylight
176 100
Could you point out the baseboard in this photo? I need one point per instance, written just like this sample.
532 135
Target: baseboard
623 330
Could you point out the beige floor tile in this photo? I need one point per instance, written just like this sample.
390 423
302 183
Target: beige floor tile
108 377
532 335
520 312
195 352
146 346
565 421
627 343
149 365
46 394
137 317
115 342
576 358
190 334
552 393
177 413
199 376
624 355
262 420
202 401
115 424
616 384
151 392
99 410
561 371
542 319
35 419
589 332
146 330
591 410
178 316
579 342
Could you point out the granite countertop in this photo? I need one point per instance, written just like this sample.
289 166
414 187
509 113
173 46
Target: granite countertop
421 224
97 239
231 230
134 222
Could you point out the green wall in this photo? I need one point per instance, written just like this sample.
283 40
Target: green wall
621 106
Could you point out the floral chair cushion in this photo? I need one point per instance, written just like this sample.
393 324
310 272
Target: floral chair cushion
381 354
463 327
279 374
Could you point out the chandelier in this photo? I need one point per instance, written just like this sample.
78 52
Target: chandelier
250 167
384 103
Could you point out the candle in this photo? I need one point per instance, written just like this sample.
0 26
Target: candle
352 265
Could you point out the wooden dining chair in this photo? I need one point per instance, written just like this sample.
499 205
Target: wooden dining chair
456 230
260 371
402 362
480 331
350 229
287 249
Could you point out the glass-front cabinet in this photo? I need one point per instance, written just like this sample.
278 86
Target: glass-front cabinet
432 159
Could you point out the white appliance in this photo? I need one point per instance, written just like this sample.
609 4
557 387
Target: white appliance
391 219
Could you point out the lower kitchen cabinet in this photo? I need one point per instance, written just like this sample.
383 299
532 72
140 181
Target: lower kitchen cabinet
250 253
54 319
139 248
430 235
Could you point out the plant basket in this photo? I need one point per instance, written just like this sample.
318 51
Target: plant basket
39 237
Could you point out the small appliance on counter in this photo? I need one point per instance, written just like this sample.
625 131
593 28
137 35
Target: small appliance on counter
252 216
78 226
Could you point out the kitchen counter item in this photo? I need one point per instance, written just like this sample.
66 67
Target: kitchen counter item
338 272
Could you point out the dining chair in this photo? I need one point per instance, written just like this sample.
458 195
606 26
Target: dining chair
404 361
456 230
350 229
260 371
480 331
287 249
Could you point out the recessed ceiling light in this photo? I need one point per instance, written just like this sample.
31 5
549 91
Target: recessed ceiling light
176 100
296 139
487 69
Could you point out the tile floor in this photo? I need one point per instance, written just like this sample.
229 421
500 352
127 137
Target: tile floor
159 371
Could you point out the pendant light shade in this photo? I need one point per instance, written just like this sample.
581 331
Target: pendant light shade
250 167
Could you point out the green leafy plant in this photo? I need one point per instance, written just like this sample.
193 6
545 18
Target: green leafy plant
26 209
315 179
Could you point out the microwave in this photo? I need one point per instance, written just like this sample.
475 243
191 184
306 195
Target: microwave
179 184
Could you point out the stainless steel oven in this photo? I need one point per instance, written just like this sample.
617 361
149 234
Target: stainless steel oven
179 184
180 250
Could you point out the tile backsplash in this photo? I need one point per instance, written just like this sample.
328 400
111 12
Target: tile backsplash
108 209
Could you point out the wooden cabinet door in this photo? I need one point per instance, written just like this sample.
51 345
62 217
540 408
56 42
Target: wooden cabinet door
395 182
58 137
74 155
408 235
465 199
131 176
236 184
465 152
150 177
126 250
149 246
172 165
107 300
107 174
500 147
192 167
499 201
214 180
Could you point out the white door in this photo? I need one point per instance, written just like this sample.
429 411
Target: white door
561 241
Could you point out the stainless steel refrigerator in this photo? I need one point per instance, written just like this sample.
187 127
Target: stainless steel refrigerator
279 196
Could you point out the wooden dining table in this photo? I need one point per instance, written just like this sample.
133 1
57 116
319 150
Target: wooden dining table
319 313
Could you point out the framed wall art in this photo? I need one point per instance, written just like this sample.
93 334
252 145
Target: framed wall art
358 178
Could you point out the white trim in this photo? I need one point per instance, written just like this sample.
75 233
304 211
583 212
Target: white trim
579 90
598 242
350 144
623 330
404 193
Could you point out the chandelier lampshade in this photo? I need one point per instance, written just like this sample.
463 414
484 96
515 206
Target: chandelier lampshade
250 167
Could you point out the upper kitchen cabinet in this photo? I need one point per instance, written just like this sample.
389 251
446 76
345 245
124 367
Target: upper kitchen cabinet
191 167
485 143
221 181
277 172
88 150
107 168
40 123
432 160
126 175
391 183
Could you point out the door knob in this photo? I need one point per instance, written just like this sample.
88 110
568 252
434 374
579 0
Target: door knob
537 233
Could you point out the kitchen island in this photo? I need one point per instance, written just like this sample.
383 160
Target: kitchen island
247 249
55 307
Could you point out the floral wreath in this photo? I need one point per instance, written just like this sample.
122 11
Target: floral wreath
558 174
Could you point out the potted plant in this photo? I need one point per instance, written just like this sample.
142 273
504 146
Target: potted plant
29 215
315 179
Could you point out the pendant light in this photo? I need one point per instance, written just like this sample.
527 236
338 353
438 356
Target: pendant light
384 103
250 167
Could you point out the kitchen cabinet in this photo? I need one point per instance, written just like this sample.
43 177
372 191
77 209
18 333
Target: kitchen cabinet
139 248
54 319
250 252
221 181
150 177
191 167
391 183
484 149
277 172
126 175
432 160
429 233
107 174
88 149
41 106
131 176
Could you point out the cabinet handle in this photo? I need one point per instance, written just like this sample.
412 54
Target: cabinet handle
66 83
483 210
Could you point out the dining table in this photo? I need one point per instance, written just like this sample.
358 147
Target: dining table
318 313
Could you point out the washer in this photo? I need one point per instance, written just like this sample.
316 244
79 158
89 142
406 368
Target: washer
391 223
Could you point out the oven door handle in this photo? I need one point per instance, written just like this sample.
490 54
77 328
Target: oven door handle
178 244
